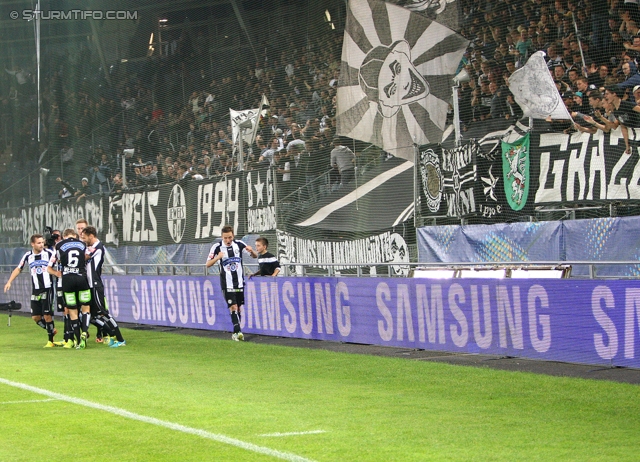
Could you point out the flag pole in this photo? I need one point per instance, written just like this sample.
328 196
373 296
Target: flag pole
416 194
575 26
456 115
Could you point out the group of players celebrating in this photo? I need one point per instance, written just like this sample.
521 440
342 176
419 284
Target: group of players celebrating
72 268
76 262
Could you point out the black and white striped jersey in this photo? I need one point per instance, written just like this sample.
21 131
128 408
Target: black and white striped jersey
70 253
94 263
37 262
231 271
58 281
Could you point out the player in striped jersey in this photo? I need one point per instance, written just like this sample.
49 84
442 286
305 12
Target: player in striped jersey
229 254
42 286
99 312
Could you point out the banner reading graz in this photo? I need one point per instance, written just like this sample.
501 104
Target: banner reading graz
583 167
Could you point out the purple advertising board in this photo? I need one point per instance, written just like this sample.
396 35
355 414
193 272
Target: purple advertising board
581 321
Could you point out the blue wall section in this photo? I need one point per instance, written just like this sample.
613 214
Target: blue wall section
602 239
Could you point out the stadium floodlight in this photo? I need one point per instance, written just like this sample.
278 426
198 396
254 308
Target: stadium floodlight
327 17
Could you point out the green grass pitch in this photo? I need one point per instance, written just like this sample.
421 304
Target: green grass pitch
178 397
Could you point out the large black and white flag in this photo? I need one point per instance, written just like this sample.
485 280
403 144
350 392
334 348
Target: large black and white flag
534 90
396 77
446 12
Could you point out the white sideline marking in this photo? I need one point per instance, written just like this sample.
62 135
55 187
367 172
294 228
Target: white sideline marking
161 423
311 432
28 401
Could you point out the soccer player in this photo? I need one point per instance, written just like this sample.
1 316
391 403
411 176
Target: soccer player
268 264
81 224
70 252
99 312
59 298
42 286
229 254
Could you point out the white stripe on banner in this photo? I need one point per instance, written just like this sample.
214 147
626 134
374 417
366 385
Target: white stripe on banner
360 191
161 423
404 215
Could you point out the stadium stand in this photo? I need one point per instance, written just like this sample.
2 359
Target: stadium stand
164 115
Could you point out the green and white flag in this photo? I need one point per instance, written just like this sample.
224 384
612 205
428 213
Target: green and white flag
516 172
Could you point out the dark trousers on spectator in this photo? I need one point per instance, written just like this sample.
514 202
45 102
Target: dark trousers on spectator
347 175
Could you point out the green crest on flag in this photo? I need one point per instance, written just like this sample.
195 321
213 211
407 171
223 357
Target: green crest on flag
515 168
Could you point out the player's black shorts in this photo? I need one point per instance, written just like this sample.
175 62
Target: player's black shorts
98 302
41 303
76 290
234 297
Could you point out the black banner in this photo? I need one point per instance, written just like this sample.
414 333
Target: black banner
449 178
192 212
390 246
261 201
561 170
469 181
583 168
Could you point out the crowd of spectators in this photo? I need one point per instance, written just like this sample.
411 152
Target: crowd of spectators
592 50
172 111
88 130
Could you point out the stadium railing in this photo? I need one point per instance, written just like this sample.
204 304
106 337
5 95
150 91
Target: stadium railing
439 270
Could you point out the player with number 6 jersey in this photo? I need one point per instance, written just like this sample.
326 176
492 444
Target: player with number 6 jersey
70 252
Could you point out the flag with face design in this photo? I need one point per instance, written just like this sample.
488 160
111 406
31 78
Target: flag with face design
396 77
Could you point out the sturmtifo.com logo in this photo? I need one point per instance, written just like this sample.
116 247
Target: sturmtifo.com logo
68 15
